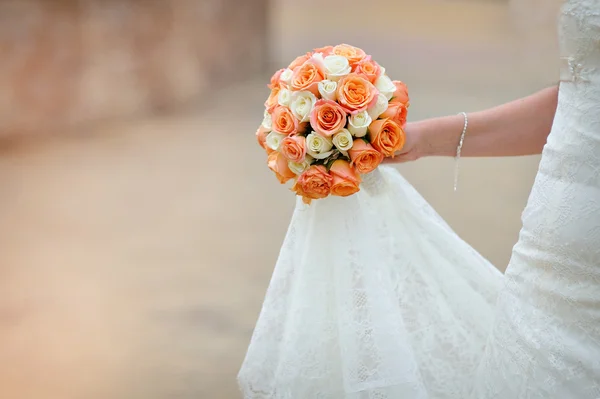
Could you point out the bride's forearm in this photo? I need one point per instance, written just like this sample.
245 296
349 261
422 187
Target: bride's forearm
520 127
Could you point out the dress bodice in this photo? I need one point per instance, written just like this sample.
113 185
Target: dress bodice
579 32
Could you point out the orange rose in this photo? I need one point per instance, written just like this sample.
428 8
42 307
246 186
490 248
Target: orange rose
364 157
272 101
300 60
369 68
327 50
345 179
355 93
275 79
261 136
327 118
386 136
294 148
307 77
396 112
401 93
284 121
278 164
353 54
313 183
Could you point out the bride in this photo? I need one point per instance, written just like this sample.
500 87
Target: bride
375 297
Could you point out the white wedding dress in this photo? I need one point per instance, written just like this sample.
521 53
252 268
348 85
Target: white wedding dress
375 297
545 342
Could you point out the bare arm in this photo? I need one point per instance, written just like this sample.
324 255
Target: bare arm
519 127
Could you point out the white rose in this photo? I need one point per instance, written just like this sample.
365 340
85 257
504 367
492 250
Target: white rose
359 123
285 97
286 76
317 146
336 67
385 86
299 167
302 104
267 121
274 139
343 141
327 89
379 108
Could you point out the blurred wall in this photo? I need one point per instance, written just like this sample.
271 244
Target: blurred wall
535 22
71 62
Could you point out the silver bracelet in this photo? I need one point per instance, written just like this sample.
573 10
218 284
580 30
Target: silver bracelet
459 149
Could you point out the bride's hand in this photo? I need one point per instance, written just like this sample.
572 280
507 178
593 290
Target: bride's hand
412 149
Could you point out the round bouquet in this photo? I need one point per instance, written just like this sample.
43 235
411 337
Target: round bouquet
333 115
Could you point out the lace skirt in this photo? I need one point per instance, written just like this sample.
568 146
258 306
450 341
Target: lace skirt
372 296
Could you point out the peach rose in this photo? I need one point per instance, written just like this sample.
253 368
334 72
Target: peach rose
355 93
307 77
401 93
284 122
386 136
364 157
369 68
313 183
299 61
327 118
345 179
294 148
273 99
327 50
353 54
275 79
278 164
396 112
261 136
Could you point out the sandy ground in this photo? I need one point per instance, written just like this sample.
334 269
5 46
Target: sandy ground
134 258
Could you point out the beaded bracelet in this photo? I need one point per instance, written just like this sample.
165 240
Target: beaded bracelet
459 149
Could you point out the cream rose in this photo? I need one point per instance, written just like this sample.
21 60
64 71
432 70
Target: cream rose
379 108
274 140
336 67
285 97
327 89
267 122
318 146
299 167
286 76
343 141
302 104
359 123
385 86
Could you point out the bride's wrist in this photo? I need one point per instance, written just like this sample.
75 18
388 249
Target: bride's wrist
438 136
426 140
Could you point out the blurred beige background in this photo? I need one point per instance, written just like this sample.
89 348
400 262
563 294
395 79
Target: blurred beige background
139 223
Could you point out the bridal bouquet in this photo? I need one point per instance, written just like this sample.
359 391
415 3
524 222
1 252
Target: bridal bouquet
333 114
